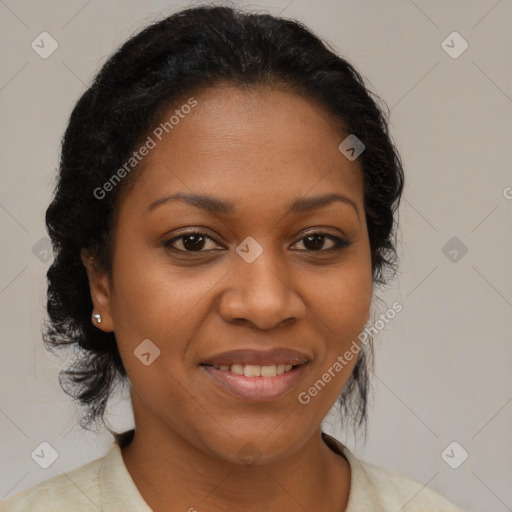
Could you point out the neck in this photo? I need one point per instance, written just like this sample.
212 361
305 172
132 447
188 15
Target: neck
169 470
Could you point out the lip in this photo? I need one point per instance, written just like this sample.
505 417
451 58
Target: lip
277 355
256 389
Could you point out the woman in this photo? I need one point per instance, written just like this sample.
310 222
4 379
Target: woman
224 209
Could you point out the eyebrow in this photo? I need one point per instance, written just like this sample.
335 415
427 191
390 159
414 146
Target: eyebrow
215 205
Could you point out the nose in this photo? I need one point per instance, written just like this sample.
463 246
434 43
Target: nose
262 293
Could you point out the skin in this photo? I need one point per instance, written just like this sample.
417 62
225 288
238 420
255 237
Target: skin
259 149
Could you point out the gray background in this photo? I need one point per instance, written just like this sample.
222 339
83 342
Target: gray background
442 365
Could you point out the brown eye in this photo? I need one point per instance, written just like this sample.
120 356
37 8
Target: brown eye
191 242
315 242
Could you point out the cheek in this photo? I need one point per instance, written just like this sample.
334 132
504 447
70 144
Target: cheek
342 298
341 304
165 304
154 297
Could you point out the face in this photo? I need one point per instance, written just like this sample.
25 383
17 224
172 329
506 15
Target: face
244 282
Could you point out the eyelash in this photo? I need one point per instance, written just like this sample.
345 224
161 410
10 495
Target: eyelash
340 243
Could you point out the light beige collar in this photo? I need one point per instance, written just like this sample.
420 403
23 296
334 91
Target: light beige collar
120 493
363 493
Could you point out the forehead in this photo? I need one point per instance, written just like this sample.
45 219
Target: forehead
252 146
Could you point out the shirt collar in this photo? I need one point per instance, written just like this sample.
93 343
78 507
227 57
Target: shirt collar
362 495
120 494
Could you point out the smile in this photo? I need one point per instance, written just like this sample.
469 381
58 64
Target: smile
254 370
253 382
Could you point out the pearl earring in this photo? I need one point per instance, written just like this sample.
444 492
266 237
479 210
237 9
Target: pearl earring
98 317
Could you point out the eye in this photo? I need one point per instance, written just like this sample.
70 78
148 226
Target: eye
193 241
315 241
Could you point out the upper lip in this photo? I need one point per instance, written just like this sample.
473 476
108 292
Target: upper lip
276 356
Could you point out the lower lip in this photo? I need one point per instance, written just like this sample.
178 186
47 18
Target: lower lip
256 389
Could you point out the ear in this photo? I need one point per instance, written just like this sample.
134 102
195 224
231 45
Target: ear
99 286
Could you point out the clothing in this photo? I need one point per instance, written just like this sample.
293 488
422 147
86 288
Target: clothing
105 484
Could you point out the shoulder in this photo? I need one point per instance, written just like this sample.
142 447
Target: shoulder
78 489
397 492
376 488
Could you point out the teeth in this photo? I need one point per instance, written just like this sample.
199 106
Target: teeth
237 368
254 370
268 371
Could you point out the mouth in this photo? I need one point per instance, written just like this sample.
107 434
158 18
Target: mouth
255 370
256 383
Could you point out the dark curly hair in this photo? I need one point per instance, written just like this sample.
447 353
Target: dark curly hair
191 50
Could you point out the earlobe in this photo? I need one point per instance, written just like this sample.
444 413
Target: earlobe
99 287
